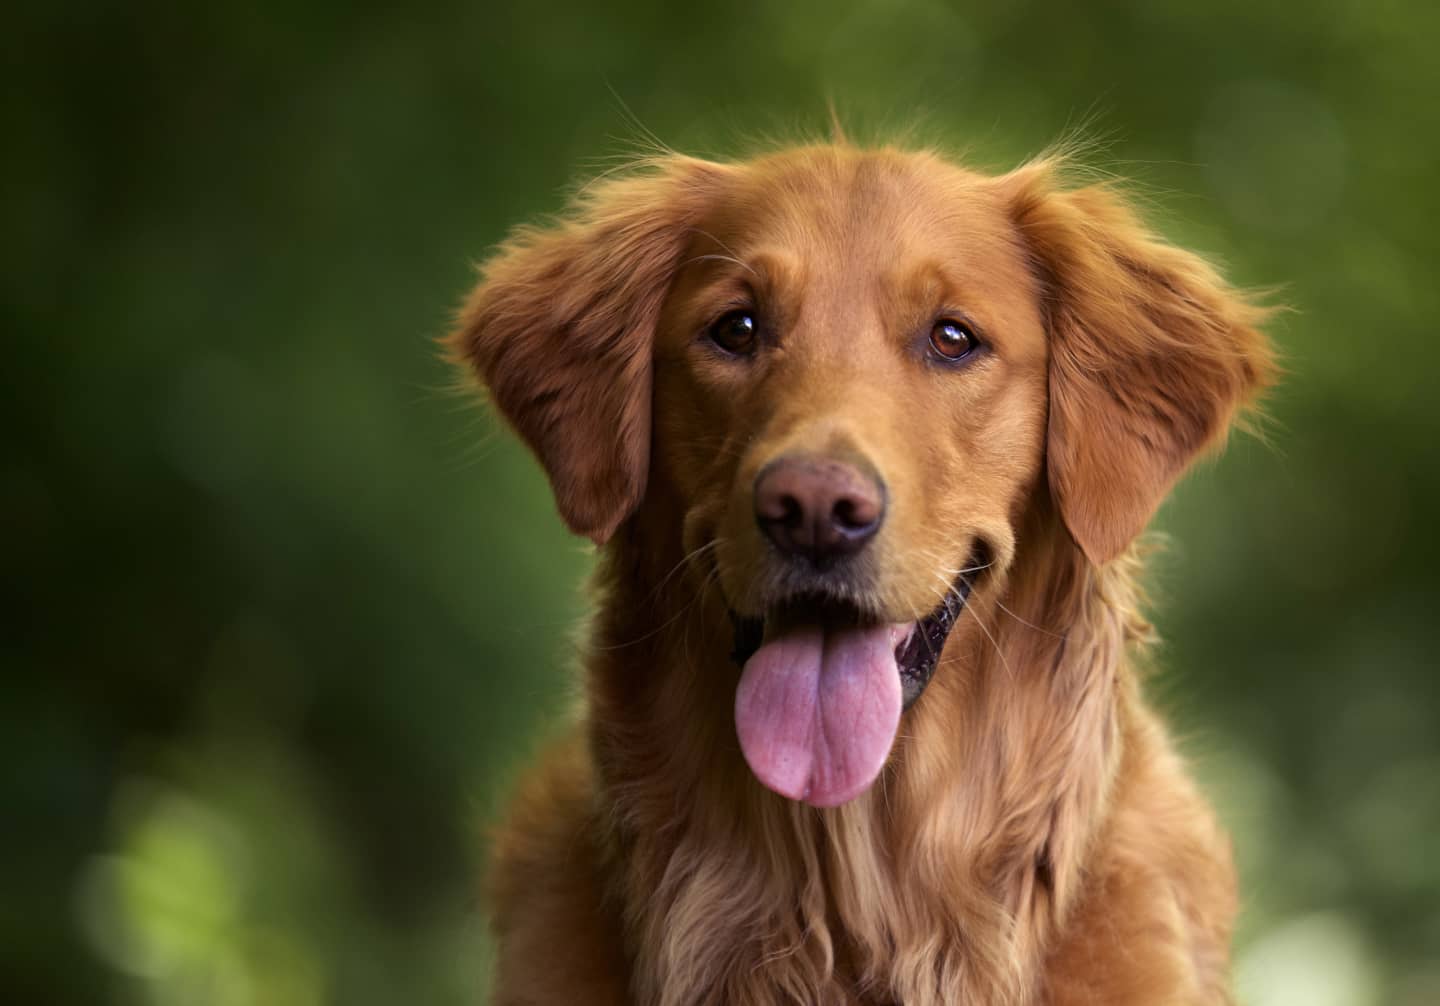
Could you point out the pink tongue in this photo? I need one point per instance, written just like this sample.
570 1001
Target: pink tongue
817 710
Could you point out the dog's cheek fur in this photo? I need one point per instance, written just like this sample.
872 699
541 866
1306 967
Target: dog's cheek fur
1151 355
561 329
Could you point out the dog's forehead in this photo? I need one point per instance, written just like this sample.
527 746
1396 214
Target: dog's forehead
843 211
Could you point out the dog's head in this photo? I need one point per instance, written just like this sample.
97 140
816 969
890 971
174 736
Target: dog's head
856 370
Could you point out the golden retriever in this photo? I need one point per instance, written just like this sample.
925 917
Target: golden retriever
866 440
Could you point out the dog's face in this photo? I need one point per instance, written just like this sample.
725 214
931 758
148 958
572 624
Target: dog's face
851 368
850 400
850 385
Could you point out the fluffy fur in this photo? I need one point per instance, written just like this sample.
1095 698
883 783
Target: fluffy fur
1034 837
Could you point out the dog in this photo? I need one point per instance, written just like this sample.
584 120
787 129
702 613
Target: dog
866 441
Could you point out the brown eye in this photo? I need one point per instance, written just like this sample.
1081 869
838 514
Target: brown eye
952 339
735 332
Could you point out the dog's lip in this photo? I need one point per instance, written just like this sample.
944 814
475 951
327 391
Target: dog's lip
918 655
917 651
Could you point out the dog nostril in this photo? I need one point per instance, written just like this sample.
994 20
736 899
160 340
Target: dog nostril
792 513
855 514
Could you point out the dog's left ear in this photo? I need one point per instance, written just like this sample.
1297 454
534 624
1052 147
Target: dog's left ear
1151 355
561 330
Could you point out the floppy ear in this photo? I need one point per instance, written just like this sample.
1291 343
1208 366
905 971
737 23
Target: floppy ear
1151 354
561 327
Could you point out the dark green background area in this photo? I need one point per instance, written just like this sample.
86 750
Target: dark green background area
282 612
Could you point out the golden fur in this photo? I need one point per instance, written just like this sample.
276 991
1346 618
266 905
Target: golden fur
1034 838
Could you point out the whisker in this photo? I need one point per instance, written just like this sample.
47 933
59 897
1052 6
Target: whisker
1028 624
716 257
684 609
1000 604
949 589
994 643
723 247
712 543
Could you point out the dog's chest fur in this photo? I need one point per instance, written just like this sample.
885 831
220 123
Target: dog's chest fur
947 883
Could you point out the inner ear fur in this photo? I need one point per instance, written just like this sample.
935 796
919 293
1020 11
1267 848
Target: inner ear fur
1151 355
561 325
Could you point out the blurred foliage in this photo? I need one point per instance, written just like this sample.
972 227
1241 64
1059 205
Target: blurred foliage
281 613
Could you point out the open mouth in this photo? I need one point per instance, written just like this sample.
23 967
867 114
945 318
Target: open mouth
823 686
916 653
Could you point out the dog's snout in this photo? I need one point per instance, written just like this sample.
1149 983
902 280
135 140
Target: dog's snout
818 508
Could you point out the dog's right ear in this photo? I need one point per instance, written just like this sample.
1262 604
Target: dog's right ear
561 328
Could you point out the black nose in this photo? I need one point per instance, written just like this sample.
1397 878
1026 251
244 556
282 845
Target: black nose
818 508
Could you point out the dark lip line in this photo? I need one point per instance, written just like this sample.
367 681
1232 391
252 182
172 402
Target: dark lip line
919 654
931 632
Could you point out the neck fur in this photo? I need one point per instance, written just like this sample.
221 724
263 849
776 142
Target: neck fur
944 881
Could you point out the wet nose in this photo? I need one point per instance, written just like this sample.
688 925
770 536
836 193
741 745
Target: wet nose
818 508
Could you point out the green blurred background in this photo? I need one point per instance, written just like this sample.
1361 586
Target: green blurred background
282 612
